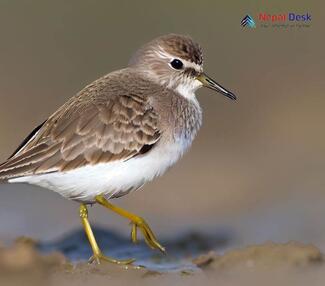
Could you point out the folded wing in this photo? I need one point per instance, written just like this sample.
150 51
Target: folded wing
87 132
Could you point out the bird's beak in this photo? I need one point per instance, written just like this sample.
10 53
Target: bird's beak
210 83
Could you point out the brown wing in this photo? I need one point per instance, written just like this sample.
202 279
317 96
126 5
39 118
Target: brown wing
88 129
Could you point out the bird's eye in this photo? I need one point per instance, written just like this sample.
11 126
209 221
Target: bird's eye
176 64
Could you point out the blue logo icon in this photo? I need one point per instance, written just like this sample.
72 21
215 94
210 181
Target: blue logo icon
248 21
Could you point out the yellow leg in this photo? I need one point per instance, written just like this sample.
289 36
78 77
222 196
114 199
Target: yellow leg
97 254
136 221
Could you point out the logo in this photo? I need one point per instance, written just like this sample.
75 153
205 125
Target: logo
288 20
264 17
248 21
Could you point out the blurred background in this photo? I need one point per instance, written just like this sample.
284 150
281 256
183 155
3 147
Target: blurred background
256 169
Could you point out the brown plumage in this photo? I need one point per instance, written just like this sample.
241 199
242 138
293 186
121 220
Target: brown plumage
178 45
102 123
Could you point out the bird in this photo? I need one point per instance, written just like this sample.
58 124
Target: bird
119 132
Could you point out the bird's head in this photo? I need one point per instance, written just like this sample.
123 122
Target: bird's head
175 61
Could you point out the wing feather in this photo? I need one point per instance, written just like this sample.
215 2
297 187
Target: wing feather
85 131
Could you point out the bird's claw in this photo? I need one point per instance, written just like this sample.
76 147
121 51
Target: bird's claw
148 235
99 257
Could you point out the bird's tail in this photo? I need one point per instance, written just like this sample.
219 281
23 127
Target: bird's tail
3 178
10 173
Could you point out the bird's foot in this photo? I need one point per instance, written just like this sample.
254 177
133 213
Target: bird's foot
136 222
148 235
97 258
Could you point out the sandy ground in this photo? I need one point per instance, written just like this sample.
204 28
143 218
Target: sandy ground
267 264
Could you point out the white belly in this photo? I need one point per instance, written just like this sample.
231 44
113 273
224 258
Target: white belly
111 179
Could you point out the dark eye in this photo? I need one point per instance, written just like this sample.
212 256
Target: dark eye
176 64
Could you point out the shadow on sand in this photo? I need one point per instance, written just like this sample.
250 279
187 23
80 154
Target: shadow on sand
180 250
